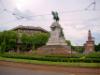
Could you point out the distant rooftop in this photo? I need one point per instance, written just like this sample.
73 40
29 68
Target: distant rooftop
29 28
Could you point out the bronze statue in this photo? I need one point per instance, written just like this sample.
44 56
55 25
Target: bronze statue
55 16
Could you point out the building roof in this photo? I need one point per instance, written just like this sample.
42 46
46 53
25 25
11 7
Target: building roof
29 28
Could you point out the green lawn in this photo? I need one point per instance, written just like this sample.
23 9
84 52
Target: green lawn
66 64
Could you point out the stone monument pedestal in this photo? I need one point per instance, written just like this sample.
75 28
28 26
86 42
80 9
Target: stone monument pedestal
54 50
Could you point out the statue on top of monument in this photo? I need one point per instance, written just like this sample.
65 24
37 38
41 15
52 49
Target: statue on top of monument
55 15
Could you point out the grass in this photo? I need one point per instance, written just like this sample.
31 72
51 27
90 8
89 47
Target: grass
66 64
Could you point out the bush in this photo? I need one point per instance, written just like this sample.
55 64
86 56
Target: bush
52 58
93 55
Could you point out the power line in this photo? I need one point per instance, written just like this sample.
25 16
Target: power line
92 4
64 12
20 17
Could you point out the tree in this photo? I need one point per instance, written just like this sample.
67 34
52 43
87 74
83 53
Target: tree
34 41
39 39
2 47
97 47
26 42
68 42
7 40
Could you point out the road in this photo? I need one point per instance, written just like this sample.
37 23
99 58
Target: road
12 68
21 71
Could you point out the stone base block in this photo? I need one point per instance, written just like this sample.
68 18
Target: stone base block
54 49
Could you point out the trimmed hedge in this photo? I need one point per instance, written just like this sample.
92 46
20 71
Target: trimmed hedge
53 58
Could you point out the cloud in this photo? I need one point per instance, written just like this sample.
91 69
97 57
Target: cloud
22 15
74 20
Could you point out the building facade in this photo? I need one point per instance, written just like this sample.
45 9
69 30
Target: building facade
89 45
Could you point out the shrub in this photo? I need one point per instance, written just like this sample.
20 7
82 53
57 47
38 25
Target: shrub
52 58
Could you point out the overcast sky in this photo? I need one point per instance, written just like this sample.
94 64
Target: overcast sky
74 19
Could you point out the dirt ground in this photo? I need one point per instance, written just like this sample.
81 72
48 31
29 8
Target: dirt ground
58 69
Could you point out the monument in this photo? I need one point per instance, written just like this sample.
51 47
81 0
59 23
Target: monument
56 43
89 45
56 34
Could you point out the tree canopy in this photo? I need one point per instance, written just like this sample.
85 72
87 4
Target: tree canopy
9 39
